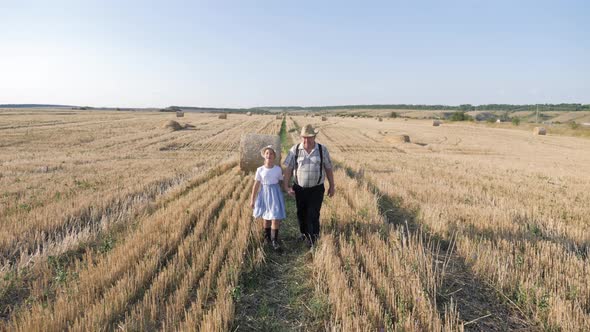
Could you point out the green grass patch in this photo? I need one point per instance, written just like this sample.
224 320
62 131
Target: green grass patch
279 294
284 137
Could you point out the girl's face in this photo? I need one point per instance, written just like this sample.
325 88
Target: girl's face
269 155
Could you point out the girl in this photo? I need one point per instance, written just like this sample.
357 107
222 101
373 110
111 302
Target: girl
268 202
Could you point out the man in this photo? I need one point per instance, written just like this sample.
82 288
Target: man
310 164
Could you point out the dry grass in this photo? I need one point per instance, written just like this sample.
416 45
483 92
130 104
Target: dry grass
513 202
144 228
553 129
579 117
112 175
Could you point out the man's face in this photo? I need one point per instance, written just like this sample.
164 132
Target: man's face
308 142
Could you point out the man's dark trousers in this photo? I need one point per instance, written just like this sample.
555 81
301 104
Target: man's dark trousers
309 203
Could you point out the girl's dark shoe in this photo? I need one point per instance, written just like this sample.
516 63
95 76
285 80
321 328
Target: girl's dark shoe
275 245
267 235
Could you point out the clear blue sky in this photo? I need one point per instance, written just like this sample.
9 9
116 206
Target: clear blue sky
254 53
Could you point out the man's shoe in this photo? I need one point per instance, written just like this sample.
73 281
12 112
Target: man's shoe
302 238
315 238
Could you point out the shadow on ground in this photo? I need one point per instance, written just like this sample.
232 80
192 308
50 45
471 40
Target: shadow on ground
480 306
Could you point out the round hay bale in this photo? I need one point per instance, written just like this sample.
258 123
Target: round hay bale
397 138
436 123
540 131
172 125
279 117
249 113
324 118
222 116
179 114
380 119
250 146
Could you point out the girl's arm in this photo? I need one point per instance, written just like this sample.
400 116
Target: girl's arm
255 189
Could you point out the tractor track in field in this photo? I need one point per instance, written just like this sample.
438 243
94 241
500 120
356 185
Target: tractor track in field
186 235
480 306
125 210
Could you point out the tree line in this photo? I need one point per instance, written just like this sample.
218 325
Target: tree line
464 107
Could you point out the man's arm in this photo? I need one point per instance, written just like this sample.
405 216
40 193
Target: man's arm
287 181
329 172
287 178
330 176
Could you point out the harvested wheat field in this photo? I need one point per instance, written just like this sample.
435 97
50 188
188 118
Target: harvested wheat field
126 221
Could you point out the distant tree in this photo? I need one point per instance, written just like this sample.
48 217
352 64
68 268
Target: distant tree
460 116
466 107
504 117
516 121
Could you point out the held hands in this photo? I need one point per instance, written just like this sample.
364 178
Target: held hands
290 191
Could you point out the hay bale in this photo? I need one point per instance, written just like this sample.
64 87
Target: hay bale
249 113
324 118
436 123
380 119
179 114
222 116
540 131
279 117
172 125
250 146
397 138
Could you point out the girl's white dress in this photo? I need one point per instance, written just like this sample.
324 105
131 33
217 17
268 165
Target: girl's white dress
269 203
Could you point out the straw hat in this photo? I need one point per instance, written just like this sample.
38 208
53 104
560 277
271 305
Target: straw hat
308 131
266 148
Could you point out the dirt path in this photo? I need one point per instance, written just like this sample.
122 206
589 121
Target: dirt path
278 295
